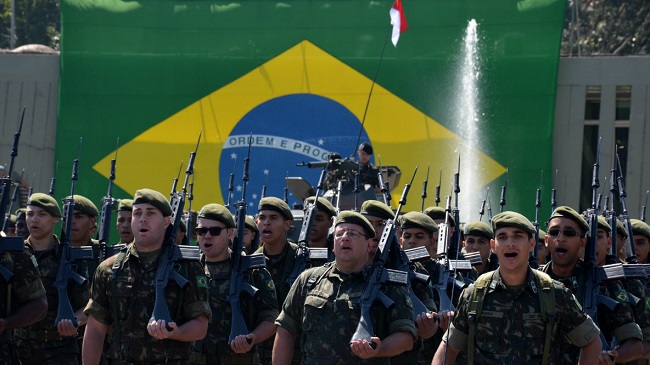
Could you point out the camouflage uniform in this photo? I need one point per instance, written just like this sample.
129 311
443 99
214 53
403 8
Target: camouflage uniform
324 314
25 286
619 323
511 330
264 307
41 343
368 175
130 296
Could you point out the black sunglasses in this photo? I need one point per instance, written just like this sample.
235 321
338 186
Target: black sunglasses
214 231
565 233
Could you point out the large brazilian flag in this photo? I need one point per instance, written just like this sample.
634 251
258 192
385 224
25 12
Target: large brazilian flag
470 79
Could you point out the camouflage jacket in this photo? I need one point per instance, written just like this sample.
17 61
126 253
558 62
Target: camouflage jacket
126 300
26 284
263 307
511 330
324 314
48 264
280 267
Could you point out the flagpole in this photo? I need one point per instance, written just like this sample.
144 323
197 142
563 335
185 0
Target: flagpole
372 86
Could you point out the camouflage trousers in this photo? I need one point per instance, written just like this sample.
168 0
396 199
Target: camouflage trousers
35 352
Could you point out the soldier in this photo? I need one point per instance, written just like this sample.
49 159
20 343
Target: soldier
507 315
251 235
565 238
38 343
440 215
477 239
11 226
322 310
215 231
123 298
83 223
542 250
274 218
377 213
367 172
641 234
323 221
419 230
21 223
25 301
632 285
124 212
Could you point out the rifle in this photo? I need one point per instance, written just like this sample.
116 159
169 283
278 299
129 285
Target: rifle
489 209
482 210
380 276
532 261
424 189
339 188
69 255
553 194
306 253
7 220
642 215
610 214
241 263
438 188
231 182
190 218
593 274
175 182
266 172
625 217
600 197
168 264
6 180
53 181
502 202
108 202
384 189
356 191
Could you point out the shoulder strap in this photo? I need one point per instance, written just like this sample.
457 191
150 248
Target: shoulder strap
474 310
547 304
116 268
317 275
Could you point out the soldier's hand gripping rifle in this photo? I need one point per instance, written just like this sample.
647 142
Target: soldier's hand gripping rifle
68 256
6 179
103 234
381 276
305 254
532 260
172 254
241 263
595 275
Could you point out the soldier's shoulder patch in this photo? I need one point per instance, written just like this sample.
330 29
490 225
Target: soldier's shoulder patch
621 296
269 284
647 302
201 281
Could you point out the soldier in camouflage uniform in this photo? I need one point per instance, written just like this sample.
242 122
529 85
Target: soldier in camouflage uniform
122 296
215 231
322 310
419 230
477 239
40 343
23 300
634 286
503 322
21 223
251 235
566 240
83 222
641 234
367 172
124 212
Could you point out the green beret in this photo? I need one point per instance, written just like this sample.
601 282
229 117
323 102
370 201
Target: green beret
85 206
250 223
21 214
418 220
219 213
603 224
570 213
377 209
45 202
620 229
148 196
276 205
479 229
541 234
512 219
439 213
323 205
640 228
12 220
348 216
125 205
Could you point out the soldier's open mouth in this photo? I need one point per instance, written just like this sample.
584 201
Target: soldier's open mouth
510 254
561 250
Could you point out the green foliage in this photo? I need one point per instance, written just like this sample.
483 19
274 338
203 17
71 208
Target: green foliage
37 22
607 27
